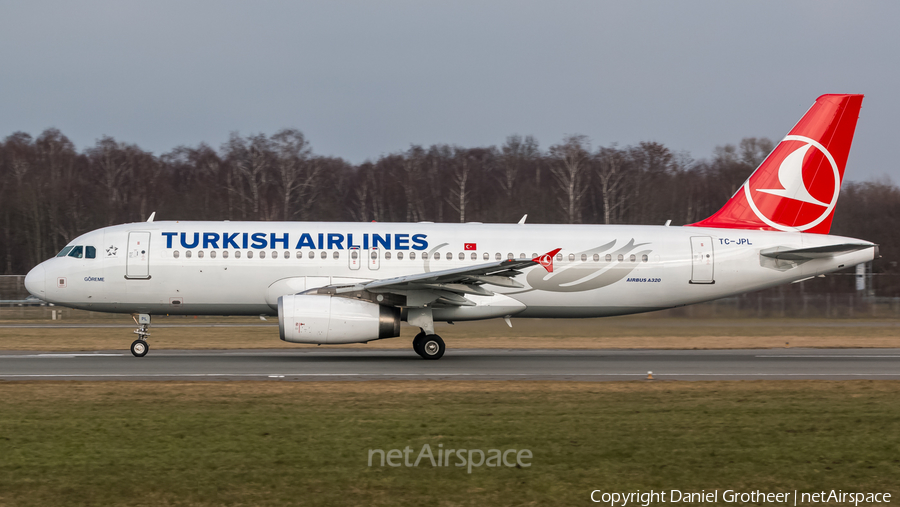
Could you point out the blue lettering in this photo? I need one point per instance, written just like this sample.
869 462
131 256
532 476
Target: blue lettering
335 239
321 241
401 241
419 241
168 236
245 240
210 238
184 243
385 242
350 244
259 240
305 241
228 239
365 241
274 239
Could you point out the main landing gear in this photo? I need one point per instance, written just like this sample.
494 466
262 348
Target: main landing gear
429 346
139 347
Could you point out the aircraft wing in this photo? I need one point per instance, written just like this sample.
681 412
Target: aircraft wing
449 287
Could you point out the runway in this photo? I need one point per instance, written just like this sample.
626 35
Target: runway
457 364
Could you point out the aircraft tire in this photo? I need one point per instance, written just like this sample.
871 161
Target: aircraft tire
417 343
139 348
433 347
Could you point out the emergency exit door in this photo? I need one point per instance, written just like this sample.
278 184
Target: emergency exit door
374 259
703 260
137 263
354 258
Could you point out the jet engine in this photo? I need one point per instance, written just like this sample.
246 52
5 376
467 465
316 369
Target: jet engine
304 318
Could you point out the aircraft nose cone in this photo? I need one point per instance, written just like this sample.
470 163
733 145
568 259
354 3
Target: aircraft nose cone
34 281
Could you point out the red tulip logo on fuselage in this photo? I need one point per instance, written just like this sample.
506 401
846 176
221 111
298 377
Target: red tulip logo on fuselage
802 192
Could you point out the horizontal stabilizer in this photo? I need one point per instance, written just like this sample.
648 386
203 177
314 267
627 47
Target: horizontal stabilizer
818 252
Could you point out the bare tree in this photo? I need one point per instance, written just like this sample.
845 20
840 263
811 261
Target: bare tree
569 167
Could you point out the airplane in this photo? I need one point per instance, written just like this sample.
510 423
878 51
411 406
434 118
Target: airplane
348 282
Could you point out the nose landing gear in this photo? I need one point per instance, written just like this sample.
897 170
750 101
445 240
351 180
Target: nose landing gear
139 347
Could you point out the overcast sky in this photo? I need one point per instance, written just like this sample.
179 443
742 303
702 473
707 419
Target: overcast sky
363 79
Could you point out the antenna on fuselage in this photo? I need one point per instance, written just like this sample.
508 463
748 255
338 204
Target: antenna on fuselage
152 216
522 221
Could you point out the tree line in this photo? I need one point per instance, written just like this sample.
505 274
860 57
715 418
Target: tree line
50 192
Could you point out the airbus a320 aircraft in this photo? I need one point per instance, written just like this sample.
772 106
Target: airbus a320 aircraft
333 283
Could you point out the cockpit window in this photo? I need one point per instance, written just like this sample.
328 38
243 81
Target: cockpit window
90 252
77 252
65 251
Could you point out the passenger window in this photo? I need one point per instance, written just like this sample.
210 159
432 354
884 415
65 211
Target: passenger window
354 254
187 254
596 257
412 256
90 252
212 254
324 254
399 256
424 256
299 254
250 254
65 251
287 255
521 255
486 256
387 256
437 256
559 256
176 254
200 254
534 256
474 256
337 255
510 256
262 255
274 254
449 256
498 256
462 256
583 257
644 258
632 258
620 258
224 254
608 257
571 257
77 252
312 255
237 254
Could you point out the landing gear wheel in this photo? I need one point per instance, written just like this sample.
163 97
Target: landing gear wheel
432 347
139 348
417 343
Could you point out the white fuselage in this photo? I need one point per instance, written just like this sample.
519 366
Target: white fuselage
202 268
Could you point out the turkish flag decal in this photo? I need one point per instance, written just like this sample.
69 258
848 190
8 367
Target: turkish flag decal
471 246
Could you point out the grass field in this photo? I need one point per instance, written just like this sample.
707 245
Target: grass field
292 443
616 332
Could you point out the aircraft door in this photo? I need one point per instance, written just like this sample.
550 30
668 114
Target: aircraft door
354 257
374 259
137 264
702 260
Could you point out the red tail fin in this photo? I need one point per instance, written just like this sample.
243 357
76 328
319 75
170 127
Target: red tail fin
797 185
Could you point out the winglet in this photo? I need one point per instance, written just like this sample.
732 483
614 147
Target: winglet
546 260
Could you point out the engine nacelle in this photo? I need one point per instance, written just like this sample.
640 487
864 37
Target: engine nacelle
328 319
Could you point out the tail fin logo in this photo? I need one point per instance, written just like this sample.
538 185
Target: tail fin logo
807 201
